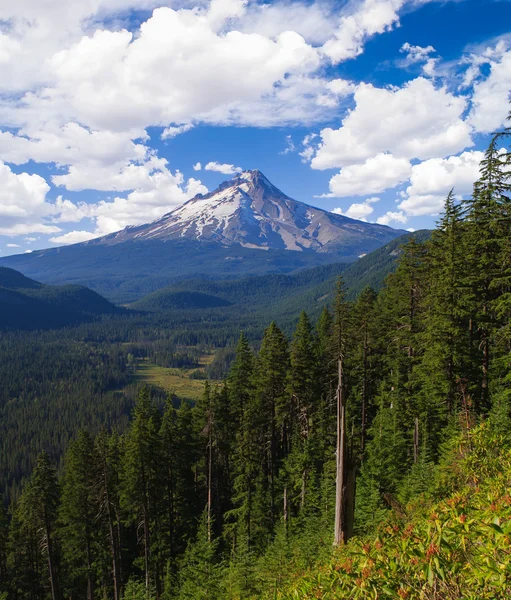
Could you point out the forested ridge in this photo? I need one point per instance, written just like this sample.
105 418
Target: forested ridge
349 431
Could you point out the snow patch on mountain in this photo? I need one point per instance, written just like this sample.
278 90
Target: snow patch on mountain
249 210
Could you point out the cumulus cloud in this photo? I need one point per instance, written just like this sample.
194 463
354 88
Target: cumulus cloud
431 181
392 217
358 210
173 131
491 95
375 175
154 191
224 168
417 120
177 68
70 143
438 175
316 22
73 237
368 18
23 203
197 166
418 55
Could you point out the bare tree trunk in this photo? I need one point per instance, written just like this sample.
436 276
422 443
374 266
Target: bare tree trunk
49 547
113 550
340 481
416 441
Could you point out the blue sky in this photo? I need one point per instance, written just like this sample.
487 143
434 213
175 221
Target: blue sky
113 112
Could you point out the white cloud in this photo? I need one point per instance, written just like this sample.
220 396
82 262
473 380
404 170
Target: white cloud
392 217
13 246
80 84
441 175
119 178
158 194
24 228
417 120
416 54
368 18
377 174
71 144
420 54
73 237
226 169
309 147
491 96
290 146
316 22
358 210
431 181
25 209
172 132
425 204
23 203
177 68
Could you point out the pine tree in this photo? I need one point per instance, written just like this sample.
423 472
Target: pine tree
272 420
361 367
240 381
201 572
170 474
107 454
140 483
305 393
488 273
33 538
78 514
245 456
4 545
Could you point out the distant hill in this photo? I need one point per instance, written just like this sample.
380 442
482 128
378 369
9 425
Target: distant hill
280 295
124 273
28 304
169 299
255 292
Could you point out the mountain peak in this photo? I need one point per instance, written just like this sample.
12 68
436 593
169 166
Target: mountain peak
250 211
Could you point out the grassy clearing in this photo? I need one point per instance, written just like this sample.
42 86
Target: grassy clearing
175 381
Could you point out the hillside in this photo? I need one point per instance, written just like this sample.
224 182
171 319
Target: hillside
279 295
126 272
454 548
28 304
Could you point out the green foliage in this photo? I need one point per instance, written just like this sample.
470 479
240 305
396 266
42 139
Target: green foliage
458 548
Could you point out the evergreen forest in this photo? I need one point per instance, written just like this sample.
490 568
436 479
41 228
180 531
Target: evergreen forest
363 451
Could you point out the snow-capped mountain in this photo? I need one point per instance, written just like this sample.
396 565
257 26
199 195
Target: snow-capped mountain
250 211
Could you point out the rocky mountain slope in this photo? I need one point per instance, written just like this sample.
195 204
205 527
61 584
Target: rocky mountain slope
250 211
